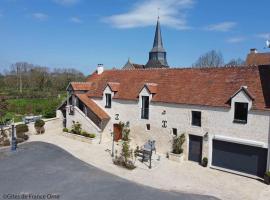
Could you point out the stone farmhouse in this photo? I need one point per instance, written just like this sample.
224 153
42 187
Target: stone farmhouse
223 112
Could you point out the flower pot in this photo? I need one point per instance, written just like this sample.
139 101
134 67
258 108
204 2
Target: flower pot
176 157
40 130
267 179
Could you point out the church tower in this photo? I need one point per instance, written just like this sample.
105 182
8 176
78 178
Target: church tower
157 56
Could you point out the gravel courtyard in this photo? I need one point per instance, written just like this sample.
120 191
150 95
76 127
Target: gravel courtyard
42 168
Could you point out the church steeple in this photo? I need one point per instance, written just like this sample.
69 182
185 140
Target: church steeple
157 56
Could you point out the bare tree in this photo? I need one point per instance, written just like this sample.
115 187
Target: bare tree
212 58
235 62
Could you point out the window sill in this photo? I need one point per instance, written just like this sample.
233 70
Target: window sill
238 121
195 126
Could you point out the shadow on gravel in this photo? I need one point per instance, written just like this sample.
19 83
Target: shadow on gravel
42 168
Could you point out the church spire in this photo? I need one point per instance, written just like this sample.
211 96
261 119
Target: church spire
157 56
158 44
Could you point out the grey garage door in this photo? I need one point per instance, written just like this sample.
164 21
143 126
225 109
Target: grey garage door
243 158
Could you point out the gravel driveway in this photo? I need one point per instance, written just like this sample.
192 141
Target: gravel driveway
39 168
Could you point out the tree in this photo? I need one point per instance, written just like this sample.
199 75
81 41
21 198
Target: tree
235 62
212 58
3 111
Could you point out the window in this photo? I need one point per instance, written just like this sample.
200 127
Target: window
145 107
148 127
240 112
108 101
174 130
196 118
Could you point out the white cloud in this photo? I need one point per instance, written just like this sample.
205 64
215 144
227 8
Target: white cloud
76 20
265 36
222 27
40 16
236 39
144 13
66 2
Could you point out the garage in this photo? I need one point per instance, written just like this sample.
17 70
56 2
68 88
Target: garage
239 157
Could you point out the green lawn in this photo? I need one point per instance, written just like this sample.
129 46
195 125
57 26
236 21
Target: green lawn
20 107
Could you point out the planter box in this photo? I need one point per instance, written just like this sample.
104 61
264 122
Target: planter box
176 157
267 179
79 137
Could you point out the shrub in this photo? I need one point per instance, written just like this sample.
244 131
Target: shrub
65 129
120 161
204 162
39 123
21 128
89 135
177 144
6 143
49 114
76 128
267 173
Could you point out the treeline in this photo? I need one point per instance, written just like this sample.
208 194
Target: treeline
23 79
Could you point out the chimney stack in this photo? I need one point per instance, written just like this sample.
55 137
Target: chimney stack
253 50
100 69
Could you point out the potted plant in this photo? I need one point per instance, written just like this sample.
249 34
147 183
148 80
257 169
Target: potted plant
177 150
204 162
267 178
39 126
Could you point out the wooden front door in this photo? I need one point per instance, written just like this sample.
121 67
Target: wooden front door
117 130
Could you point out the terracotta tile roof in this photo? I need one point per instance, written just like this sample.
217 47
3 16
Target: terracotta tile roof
93 106
80 86
114 86
258 59
194 86
152 87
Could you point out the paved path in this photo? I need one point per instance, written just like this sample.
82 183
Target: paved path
42 168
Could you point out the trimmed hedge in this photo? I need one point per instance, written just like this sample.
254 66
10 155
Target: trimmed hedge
21 128
39 123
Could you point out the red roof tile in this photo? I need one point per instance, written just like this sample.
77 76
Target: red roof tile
258 59
114 86
93 106
194 86
80 86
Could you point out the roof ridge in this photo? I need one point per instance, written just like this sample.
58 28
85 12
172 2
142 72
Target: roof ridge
185 68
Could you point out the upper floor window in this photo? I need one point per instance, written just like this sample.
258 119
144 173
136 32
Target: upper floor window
174 131
145 107
108 100
240 112
196 118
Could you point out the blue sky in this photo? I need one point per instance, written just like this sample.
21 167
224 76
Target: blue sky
83 33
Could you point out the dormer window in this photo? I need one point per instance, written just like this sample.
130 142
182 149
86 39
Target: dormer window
240 112
145 107
108 100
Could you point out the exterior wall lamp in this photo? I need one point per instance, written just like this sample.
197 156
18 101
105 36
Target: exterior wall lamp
206 137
